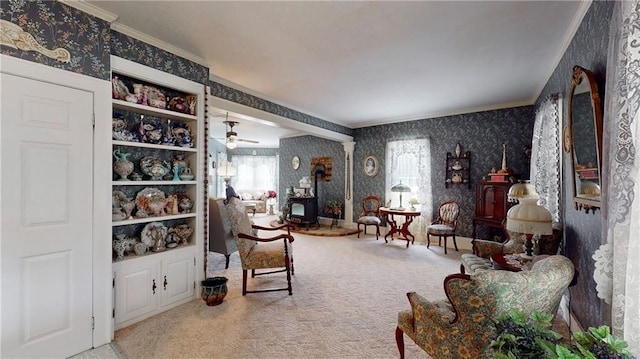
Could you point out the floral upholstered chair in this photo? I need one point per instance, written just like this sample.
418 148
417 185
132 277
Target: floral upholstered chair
258 252
462 325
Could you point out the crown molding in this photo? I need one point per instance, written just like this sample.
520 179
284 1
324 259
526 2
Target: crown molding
129 31
249 91
112 19
91 10
583 7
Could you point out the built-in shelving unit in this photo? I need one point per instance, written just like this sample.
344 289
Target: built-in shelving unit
158 190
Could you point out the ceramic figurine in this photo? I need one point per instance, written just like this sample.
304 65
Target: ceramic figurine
122 166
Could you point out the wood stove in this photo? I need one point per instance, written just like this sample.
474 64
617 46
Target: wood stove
303 210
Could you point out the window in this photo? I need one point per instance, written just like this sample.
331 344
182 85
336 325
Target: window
255 172
409 161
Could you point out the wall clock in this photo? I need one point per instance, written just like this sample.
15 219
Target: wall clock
295 162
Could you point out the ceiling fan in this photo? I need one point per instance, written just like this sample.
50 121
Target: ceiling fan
232 137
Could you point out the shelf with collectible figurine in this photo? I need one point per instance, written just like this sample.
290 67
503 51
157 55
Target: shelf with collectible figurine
458 167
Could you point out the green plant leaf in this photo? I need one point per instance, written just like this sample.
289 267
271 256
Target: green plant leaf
566 353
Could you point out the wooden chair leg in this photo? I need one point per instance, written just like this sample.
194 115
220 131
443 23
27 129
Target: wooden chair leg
400 341
445 244
293 272
227 264
244 282
428 240
365 227
377 231
454 242
288 265
253 273
462 270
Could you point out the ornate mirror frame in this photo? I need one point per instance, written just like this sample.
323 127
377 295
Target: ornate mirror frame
584 131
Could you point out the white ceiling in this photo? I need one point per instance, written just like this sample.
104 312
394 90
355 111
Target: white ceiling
360 63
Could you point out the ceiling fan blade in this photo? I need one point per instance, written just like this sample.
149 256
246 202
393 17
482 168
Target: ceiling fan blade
245 140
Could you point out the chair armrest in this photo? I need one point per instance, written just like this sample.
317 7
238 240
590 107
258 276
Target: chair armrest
286 226
485 249
426 313
269 239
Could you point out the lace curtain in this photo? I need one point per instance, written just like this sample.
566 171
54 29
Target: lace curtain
617 266
409 161
255 172
545 155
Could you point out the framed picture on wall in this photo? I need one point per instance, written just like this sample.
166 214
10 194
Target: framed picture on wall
370 165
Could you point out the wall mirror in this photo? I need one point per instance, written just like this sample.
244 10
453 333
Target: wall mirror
585 134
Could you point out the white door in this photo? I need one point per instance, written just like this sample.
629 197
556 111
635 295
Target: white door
46 218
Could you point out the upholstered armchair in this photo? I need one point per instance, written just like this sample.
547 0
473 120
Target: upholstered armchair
259 252
462 325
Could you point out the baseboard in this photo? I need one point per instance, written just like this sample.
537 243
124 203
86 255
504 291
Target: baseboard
572 322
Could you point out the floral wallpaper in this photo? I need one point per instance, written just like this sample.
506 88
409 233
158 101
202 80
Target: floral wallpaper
512 126
135 50
53 25
583 232
308 147
231 94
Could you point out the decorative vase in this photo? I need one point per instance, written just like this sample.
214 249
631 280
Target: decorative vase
122 166
214 289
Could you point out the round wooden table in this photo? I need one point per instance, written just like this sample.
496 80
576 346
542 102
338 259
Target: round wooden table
403 230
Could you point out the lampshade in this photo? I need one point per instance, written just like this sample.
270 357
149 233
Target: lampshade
529 218
231 145
400 187
226 170
523 189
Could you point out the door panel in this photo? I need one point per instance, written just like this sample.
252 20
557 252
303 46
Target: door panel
178 274
47 183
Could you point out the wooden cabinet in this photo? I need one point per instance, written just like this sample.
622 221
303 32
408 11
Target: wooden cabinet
157 190
491 205
458 169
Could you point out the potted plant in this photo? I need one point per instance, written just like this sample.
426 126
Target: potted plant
522 336
333 208
271 200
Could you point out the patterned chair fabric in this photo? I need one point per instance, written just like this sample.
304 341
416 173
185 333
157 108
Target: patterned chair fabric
445 224
260 253
484 249
370 215
462 325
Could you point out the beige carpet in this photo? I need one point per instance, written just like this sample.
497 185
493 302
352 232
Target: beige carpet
346 296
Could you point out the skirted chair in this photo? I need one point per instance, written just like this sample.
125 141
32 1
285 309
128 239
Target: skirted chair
258 252
445 224
370 215
462 325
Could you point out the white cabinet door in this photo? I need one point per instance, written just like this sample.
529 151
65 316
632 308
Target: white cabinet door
136 288
178 278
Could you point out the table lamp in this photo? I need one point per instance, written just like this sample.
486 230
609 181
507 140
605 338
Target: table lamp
226 171
529 218
400 187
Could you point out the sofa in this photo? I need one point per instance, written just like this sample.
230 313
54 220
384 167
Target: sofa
257 197
484 249
461 325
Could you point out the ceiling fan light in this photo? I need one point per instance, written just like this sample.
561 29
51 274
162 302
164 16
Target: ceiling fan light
231 145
